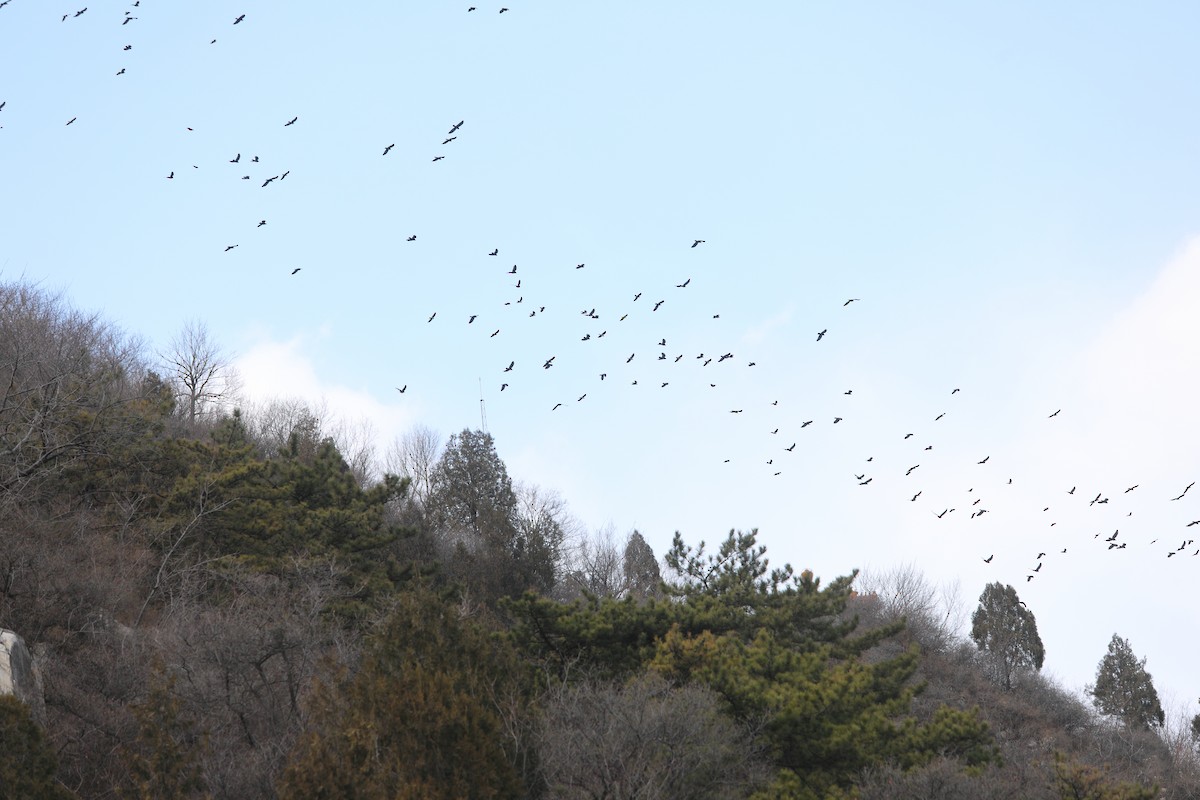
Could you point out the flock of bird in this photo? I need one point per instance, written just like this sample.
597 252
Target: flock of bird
656 363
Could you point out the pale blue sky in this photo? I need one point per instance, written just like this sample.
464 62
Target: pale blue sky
1009 188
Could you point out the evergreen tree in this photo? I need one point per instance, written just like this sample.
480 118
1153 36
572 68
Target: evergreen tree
1124 689
27 763
1006 631
418 721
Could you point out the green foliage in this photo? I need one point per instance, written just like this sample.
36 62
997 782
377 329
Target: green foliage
27 763
777 648
418 720
1080 782
1124 689
1006 631
165 759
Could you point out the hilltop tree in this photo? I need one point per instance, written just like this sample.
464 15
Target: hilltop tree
1124 689
642 576
203 375
1006 632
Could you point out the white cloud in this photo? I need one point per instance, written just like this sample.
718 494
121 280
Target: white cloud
272 370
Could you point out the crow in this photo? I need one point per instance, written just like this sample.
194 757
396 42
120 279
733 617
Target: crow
697 243
239 19
495 252
456 127
988 560
821 334
402 391
684 284
472 319
509 368
387 149
451 139
236 159
659 303
291 121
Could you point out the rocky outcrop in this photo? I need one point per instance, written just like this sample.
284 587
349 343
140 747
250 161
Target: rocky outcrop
19 675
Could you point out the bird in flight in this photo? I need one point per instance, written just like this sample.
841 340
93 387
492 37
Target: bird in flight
297 269
239 19
509 368
910 470
697 243
1185 491
455 128
236 159
494 333
402 390
821 334
790 449
556 407
806 423
848 302
412 238
437 158
503 386
230 247
451 139
172 175
1055 414
1131 488
659 303
513 271
836 420
956 391
387 149
495 252
72 119
915 496
261 222
684 284
122 71
985 460
431 316
291 121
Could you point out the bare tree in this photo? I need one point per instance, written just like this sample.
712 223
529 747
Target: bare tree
203 375
413 456
933 614
645 740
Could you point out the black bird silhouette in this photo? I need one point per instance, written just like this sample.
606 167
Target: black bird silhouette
268 180
665 385
80 11
915 496
956 391
285 174
697 243
1131 488
451 139
509 368
806 423
513 271
659 303
291 121
1041 555
431 316
472 319
1185 491
939 416
230 247
494 333
549 362
495 252
412 238
1038 567
172 175
1028 578
662 343
503 10
907 435
121 71
944 512
239 19
736 411
636 296
849 391
821 334
236 159
1072 490
836 420
254 159
910 469
985 460
556 407
261 222
402 391
631 355
848 302
580 266
503 386
72 119
790 449
455 127
245 177
580 400
297 269
684 284
864 483
1055 414
387 149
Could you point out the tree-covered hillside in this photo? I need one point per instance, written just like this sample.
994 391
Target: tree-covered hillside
235 604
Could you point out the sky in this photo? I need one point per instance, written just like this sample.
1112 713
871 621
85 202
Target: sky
1007 191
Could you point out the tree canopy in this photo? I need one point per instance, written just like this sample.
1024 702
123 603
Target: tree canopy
1006 632
1124 689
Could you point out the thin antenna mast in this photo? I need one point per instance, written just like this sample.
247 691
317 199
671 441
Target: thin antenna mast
482 410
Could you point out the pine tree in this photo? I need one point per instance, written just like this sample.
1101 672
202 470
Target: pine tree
27 763
1006 631
1124 689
